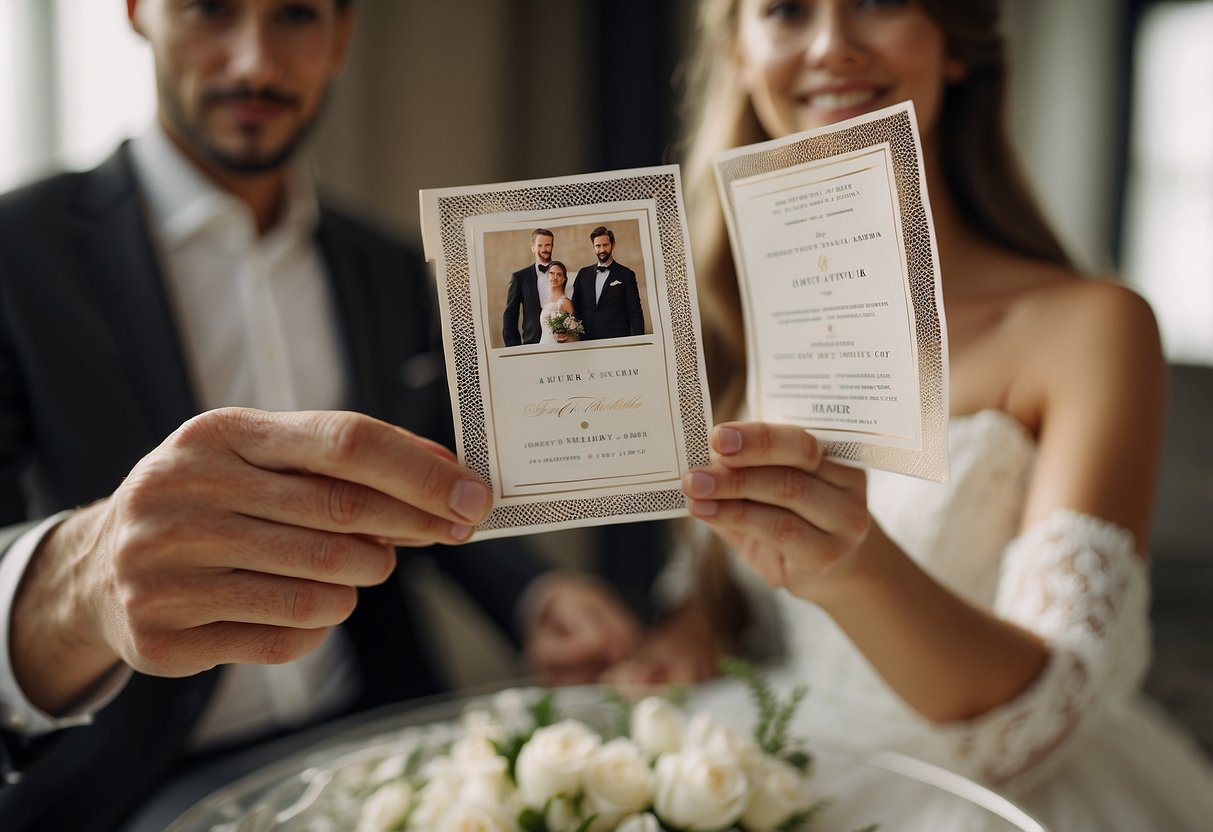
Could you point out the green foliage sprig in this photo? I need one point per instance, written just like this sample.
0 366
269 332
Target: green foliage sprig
774 715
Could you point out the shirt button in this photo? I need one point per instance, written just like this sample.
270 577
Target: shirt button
17 719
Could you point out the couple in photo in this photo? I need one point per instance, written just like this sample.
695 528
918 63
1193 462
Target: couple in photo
605 302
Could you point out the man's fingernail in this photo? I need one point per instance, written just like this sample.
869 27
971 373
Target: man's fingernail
460 532
469 499
704 508
699 485
728 440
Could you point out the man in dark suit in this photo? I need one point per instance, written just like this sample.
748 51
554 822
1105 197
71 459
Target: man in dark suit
215 393
527 293
605 296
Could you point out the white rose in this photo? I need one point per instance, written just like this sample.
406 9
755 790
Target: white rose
476 755
513 707
474 817
561 816
491 789
618 782
552 761
705 734
657 726
700 789
441 770
479 723
388 769
433 800
779 791
639 823
386 807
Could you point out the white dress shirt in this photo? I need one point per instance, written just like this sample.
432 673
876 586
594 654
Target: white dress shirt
600 280
258 330
541 285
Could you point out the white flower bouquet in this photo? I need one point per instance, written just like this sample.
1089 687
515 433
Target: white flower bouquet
534 770
564 322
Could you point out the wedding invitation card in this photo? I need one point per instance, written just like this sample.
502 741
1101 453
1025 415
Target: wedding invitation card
835 253
573 347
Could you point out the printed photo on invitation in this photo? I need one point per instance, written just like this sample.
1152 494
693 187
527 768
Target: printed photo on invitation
838 269
574 355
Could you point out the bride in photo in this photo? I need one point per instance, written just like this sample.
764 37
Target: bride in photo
555 324
998 624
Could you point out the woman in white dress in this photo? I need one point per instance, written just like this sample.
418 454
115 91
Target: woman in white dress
557 301
998 624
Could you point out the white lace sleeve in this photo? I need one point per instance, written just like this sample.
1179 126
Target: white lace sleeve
1076 581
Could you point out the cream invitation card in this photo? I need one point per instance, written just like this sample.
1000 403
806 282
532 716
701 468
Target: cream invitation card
835 253
583 430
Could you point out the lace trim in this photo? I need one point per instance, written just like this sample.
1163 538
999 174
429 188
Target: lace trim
1076 581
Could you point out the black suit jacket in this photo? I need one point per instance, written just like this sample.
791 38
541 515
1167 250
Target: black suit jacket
92 377
617 313
524 293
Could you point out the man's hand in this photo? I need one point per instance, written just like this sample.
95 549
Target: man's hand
577 627
241 538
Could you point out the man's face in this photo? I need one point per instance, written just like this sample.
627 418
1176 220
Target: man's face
542 247
240 82
603 248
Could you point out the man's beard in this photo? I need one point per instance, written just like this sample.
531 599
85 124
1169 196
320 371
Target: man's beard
247 162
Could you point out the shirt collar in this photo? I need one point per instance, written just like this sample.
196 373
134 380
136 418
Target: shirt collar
183 202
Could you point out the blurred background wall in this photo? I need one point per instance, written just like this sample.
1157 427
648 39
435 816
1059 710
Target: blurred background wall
1110 107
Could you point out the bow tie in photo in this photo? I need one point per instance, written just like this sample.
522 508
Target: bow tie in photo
542 267
603 268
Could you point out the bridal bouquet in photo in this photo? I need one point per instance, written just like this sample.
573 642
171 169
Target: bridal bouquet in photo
564 322
536 770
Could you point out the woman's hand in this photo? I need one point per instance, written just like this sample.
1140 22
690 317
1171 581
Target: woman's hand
796 518
682 650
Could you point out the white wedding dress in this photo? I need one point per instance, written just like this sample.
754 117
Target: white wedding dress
1081 749
545 314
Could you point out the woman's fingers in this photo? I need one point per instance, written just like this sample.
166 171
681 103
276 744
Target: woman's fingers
790 513
763 443
807 497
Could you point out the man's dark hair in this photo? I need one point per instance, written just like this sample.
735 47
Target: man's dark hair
541 232
600 231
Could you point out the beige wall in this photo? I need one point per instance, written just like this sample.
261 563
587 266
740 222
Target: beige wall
440 93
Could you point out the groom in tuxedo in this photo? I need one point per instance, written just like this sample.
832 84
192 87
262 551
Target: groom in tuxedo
528 289
605 296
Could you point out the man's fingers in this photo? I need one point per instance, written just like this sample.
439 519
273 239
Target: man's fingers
204 596
228 642
342 472
245 543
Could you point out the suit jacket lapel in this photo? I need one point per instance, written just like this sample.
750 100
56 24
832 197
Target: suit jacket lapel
130 290
593 288
530 290
352 302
